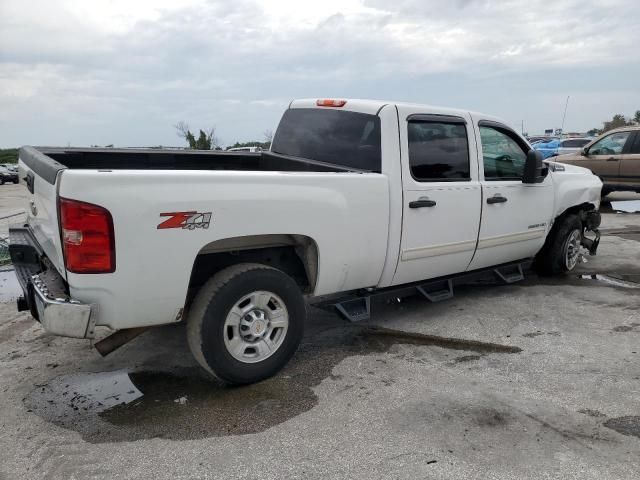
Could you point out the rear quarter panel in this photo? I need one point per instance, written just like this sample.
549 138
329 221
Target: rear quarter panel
346 214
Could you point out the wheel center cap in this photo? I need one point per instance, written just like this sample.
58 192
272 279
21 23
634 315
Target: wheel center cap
259 327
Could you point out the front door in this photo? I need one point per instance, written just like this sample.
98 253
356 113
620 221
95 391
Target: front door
441 204
604 157
515 216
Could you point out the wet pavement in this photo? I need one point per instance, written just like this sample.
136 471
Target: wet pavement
10 289
185 404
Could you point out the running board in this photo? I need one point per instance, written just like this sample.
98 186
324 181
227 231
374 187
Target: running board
436 291
510 273
356 309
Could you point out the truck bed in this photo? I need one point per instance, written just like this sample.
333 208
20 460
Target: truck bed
48 161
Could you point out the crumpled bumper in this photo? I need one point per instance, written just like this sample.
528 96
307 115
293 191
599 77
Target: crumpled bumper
591 221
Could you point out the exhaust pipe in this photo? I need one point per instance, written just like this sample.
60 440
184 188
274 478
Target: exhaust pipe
116 340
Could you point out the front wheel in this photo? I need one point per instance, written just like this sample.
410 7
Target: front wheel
561 252
246 323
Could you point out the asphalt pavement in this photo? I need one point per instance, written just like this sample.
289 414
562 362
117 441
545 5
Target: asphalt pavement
539 379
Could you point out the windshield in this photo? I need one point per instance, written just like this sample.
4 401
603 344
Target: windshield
349 139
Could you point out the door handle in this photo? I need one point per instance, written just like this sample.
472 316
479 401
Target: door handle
496 199
611 159
423 202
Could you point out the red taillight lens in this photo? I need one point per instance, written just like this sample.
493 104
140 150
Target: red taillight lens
87 237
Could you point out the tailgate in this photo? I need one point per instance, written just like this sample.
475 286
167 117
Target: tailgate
40 174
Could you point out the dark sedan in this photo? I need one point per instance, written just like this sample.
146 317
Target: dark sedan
8 176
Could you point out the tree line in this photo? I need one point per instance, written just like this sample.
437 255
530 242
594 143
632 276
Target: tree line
207 139
617 121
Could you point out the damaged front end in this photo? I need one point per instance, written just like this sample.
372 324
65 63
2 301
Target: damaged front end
591 220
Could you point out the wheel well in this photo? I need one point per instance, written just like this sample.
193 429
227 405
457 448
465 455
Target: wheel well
295 255
576 209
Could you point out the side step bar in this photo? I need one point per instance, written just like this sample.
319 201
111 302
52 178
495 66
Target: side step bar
436 291
355 310
356 307
510 274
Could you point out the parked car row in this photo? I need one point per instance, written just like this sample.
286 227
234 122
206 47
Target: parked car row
556 146
8 173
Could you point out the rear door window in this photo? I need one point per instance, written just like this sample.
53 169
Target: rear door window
438 151
635 147
340 137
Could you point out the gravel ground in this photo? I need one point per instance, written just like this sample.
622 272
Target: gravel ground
543 381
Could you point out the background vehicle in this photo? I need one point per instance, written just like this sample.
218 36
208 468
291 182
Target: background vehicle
534 140
614 157
7 175
355 196
244 149
564 146
572 145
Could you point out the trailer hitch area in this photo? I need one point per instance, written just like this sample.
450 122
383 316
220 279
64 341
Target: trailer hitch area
591 221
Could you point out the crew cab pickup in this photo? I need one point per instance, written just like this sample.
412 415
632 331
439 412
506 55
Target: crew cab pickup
355 198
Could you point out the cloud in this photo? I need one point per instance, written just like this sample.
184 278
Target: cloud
115 71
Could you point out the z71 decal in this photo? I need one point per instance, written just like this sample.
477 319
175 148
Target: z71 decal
189 220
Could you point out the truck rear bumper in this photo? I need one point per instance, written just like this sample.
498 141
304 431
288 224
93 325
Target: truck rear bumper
45 292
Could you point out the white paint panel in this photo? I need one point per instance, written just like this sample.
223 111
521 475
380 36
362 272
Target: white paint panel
346 214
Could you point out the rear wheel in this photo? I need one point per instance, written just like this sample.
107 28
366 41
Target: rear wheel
561 252
246 322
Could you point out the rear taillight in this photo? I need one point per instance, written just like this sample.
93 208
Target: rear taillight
87 237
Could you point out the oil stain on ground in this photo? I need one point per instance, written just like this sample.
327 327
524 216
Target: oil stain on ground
625 425
182 404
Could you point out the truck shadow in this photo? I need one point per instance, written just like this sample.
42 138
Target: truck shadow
129 403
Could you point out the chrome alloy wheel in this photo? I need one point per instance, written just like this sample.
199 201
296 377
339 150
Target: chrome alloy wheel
572 249
256 326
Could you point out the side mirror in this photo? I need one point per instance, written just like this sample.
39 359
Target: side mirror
533 168
585 152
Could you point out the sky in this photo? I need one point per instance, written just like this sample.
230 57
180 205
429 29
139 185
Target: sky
124 72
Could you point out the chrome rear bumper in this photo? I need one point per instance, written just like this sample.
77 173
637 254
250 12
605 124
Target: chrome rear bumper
45 291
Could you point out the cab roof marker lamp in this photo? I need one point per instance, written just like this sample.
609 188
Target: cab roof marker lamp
330 102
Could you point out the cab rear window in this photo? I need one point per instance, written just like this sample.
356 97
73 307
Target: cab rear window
340 137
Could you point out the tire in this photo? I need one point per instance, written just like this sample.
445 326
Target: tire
1 181
246 346
559 254
16 182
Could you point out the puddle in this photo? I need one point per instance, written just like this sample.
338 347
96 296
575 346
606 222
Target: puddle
621 281
625 425
626 206
183 404
10 289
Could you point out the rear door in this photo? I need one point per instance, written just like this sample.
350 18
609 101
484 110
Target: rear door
515 216
630 162
441 204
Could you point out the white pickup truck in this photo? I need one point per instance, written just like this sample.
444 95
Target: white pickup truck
356 197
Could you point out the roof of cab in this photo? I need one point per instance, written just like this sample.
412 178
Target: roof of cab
373 107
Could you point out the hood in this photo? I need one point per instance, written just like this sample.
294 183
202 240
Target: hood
558 166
